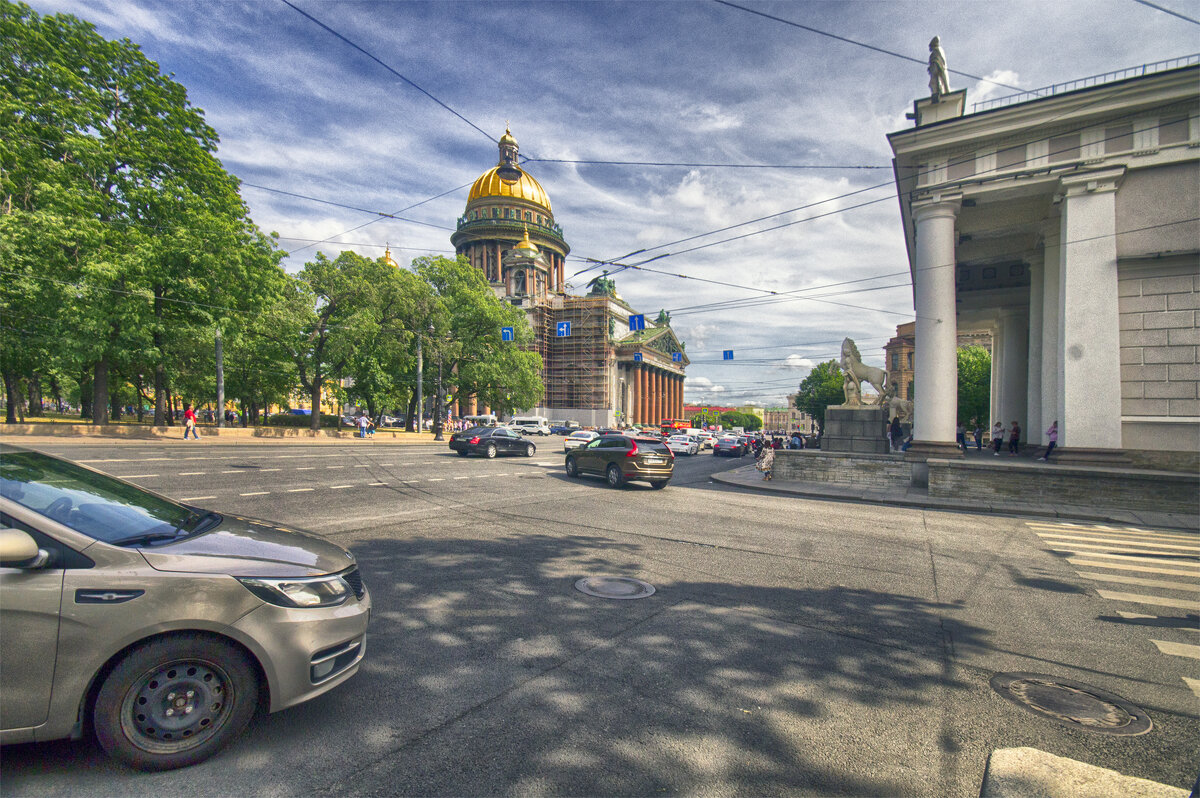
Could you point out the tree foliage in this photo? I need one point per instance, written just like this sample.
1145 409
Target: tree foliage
747 421
820 389
974 385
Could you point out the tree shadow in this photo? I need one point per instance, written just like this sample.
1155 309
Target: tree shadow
1042 583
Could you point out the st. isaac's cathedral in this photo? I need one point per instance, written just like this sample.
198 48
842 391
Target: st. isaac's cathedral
601 373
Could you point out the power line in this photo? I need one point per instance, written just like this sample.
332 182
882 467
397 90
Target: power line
704 165
861 44
1168 11
380 214
310 17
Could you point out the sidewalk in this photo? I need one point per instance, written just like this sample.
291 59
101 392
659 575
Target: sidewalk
42 433
747 477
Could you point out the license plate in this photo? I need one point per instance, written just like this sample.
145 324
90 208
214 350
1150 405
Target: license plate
654 459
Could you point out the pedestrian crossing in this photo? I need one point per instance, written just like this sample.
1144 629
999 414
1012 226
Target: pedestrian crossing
1157 571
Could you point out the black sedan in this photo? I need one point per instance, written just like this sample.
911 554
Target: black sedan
490 441
730 446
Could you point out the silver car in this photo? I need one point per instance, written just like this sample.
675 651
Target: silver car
159 626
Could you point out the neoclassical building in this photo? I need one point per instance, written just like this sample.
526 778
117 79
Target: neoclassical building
1065 223
602 373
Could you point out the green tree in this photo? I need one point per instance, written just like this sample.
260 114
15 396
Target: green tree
820 389
747 421
974 385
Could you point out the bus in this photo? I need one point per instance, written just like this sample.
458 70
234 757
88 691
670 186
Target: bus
672 426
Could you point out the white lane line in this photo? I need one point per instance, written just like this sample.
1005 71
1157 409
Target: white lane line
1134 615
1139 543
462 477
305 468
300 490
340 487
195 498
1128 557
1194 684
1138 598
265 470
1177 649
501 474
191 473
1131 549
138 476
546 464
235 471
384 464
1133 580
362 466
335 466
438 479
1145 569
255 493
1121 533
376 484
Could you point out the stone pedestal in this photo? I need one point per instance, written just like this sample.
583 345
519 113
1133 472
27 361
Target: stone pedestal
861 430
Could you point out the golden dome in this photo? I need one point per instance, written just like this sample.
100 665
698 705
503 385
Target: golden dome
507 138
526 244
525 187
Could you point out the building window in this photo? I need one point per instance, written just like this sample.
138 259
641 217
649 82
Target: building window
895 361
908 392
909 360
1011 157
964 275
1016 270
989 273
495 213
528 216
1173 130
1064 148
961 167
1118 138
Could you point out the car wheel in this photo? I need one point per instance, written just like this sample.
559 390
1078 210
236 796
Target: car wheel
463 453
175 701
660 484
490 451
614 476
530 449
572 468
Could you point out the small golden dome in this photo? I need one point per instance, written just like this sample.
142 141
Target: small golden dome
526 244
490 184
507 138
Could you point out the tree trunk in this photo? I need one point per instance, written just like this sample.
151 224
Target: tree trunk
115 402
100 392
85 394
56 392
160 370
408 417
316 402
220 352
33 390
10 395
169 411
139 390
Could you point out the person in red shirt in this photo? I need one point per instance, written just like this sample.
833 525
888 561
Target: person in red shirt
189 422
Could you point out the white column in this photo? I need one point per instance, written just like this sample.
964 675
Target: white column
935 362
1014 380
1089 368
1052 266
1033 401
998 338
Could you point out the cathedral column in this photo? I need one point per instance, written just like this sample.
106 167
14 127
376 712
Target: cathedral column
659 404
639 392
679 396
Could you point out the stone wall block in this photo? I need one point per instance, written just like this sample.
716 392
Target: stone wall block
1139 337
1129 288
1184 336
1181 284
1184 407
1168 390
1167 319
1181 372
1141 304
1155 373
1130 321
1184 301
1144 407
1135 390
1169 354
1131 355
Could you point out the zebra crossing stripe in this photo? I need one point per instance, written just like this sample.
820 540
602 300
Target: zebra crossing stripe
1177 649
1137 598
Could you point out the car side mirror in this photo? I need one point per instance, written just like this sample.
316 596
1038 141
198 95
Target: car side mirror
18 549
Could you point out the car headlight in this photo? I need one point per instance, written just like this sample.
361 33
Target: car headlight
316 591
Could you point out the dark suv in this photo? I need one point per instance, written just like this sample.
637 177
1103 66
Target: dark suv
620 458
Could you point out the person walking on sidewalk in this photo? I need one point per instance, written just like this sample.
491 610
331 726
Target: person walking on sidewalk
1052 435
977 434
895 434
997 438
1014 440
189 423
766 461
960 435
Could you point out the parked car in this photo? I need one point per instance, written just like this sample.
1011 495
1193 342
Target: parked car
490 441
579 438
683 444
530 425
707 440
159 626
730 446
563 427
391 421
620 458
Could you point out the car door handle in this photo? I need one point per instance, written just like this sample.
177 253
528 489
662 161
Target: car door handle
103 596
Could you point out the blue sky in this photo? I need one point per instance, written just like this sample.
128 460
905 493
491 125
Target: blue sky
300 111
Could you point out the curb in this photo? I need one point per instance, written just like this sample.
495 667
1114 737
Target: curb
1031 773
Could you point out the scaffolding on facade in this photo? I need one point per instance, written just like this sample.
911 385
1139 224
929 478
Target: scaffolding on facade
577 369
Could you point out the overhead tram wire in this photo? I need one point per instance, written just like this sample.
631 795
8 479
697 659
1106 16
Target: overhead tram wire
588 162
1157 7
893 53
380 214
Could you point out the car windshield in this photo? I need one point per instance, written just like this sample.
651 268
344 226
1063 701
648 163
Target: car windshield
651 445
580 435
92 504
681 439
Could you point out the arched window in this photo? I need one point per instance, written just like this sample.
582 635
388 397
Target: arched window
519 283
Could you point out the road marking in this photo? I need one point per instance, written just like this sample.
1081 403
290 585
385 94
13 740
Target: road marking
361 466
1134 615
376 484
335 466
1129 558
1139 544
305 468
546 464
501 474
462 477
1131 549
1137 598
340 487
235 471
1124 533
138 476
255 493
195 498
265 470
1133 580
1145 569
384 464
1194 684
191 473
1177 649
299 490
435 480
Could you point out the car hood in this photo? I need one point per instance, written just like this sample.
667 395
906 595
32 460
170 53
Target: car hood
247 547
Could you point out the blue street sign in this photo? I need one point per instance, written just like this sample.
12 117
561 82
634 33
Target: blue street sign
728 355
677 357
637 322
637 357
506 334
563 330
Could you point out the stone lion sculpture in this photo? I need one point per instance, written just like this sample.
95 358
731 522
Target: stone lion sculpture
859 372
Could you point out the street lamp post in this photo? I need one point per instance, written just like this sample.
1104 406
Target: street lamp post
437 405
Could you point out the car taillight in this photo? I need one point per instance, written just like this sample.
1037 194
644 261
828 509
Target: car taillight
474 440
632 452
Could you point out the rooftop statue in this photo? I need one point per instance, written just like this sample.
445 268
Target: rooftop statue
603 285
939 78
857 373
663 318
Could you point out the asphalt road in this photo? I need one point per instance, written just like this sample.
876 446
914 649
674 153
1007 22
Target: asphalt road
792 646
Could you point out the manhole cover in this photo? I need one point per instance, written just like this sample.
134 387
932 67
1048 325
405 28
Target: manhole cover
614 587
1072 703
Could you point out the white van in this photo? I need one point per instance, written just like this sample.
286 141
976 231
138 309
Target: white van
530 425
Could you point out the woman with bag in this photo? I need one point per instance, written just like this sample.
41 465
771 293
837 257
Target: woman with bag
766 460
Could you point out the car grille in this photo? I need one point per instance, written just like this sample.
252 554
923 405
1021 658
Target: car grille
354 579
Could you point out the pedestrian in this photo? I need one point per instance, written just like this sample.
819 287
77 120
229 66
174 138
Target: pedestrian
765 462
363 422
797 441
895 434
189 423
977 433
1014 440
997 438
960 435
907 441
1052 434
